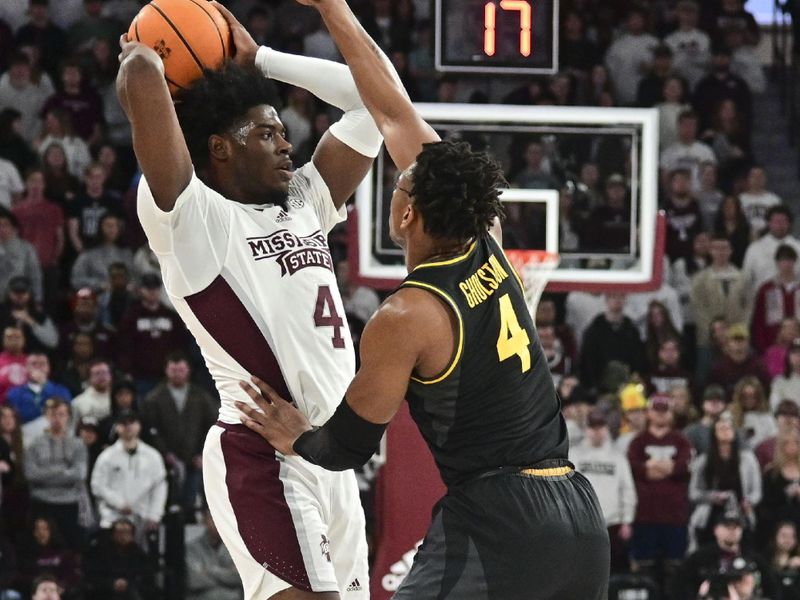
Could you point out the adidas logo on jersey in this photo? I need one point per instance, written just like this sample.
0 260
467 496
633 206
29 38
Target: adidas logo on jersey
355 586
283 217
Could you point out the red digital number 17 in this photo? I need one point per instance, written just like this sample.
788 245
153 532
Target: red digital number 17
525 23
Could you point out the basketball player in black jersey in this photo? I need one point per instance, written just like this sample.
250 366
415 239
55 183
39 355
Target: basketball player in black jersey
457 341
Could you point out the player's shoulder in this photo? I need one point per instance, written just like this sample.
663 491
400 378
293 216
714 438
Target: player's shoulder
306 185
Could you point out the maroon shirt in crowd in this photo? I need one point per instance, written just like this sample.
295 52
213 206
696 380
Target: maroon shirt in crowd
665 501
147 337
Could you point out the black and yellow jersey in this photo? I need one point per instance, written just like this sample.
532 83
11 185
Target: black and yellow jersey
495 404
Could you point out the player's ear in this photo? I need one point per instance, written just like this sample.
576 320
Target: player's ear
410 216
219 147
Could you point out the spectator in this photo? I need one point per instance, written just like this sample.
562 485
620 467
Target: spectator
775 356
75 371
732 224
19 310
123 398
730 14
114 302
658 325
151 331
559 362
95 401
575 407
634 415
80 100
576 52
46 587
709 197
630 55
210 572
17 257
92 266
691 47
43 553
718 289
17 91
785 559
750 412
721 553
611 337
60 184
684 220
781 501
537 172
41 222
787 385
738 361
659 458
729 138
11 186
129 480
117 568
29 399
298 113
58 129
683 270
8 569
15 488
682 406
725 478
608 471
699 433
671 104
776 299
358 300
668 372
745 61
787 418
651 86
12 146
721 85
12 361
86 319
42 33
91 204
756 199
177 415
611 221
687 153
55 466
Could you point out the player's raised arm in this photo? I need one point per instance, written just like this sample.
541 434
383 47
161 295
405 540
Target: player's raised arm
157 138
345 153
403 129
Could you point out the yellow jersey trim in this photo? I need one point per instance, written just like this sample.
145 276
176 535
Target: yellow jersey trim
460 347
551 472
450 261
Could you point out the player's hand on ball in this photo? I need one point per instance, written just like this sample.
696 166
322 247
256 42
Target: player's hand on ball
280 423
130 48
244 43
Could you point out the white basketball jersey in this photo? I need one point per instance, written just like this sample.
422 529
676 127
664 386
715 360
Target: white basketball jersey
255 285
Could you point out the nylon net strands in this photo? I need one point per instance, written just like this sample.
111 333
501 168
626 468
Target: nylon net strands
534 268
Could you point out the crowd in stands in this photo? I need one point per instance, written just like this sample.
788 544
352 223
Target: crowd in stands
683 405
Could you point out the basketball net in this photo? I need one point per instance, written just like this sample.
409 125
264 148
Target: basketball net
534 268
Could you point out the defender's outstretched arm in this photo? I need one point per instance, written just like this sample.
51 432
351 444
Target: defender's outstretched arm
404 131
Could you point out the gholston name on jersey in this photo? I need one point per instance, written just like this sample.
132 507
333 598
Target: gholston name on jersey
292 252
481 284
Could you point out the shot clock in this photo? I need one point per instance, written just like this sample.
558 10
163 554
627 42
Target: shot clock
512 37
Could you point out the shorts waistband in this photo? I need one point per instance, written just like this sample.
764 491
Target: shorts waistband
551 467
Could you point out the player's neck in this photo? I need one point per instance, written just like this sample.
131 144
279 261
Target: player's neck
433 249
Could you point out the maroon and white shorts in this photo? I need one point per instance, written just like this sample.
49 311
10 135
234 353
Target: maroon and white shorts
286 523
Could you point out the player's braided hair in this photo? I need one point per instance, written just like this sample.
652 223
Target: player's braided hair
213 104
457 190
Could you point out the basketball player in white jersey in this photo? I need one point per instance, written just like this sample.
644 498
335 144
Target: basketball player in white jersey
241 240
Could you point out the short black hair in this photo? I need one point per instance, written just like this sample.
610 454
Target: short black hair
213 104
785 252
780 209
457 190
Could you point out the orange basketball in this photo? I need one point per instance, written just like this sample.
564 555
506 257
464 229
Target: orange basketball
188 35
